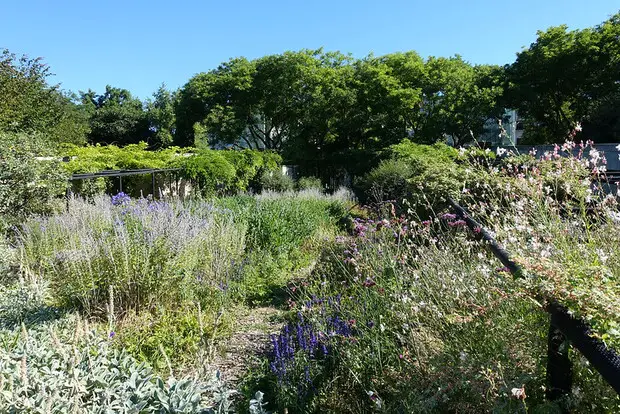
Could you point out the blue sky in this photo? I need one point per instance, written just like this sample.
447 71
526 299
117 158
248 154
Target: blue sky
138 44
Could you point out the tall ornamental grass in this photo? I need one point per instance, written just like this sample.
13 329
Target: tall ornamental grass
112 256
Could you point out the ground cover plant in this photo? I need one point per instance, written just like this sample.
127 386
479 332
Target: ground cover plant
51 363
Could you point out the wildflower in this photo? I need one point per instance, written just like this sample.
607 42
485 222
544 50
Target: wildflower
500 151
519 393
120 199
369 282
112 334
457 223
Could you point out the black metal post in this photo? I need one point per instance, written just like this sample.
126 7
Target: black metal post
120 183
559 366
68 195
153 182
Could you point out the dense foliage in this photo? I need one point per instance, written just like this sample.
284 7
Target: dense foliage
166 276
413 314
400 309
210 170
66 365
565 78
29 104
27 185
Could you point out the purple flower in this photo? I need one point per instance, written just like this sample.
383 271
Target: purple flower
120 199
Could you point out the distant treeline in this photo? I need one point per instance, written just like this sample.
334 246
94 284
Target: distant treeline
327 108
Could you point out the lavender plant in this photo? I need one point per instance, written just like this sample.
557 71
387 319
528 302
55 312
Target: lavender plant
130 253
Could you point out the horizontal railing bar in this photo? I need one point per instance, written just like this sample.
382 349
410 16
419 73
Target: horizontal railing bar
602 358
119 173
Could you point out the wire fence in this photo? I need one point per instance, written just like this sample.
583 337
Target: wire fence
564 329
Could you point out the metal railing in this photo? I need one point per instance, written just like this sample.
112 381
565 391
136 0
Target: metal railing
122 173
563 329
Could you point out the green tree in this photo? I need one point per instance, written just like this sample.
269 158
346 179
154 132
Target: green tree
116 117
29 104
162 120
602 123
216 105
458 99
275 102
565 78
388 98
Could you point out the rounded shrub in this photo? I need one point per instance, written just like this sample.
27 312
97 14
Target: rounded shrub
309 183
276 181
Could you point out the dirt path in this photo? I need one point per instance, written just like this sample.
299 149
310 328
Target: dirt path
248 344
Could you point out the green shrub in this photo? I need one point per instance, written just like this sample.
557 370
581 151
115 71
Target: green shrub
28 185
309 183
418 175
210 170
276 181
388 182
439 152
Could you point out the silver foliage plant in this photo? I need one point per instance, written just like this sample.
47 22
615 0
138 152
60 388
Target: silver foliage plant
65 367
62 365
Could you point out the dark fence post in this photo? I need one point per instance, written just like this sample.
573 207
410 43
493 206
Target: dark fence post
120 183
153 183
68 195
559 366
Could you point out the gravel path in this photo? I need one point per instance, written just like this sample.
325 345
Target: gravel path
248 344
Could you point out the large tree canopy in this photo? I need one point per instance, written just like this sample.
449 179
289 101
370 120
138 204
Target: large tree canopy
29 104
565 78
116 117
310 103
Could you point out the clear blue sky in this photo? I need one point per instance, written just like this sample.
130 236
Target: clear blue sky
138 44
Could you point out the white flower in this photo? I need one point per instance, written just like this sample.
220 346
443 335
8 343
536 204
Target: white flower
518 393
500 151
